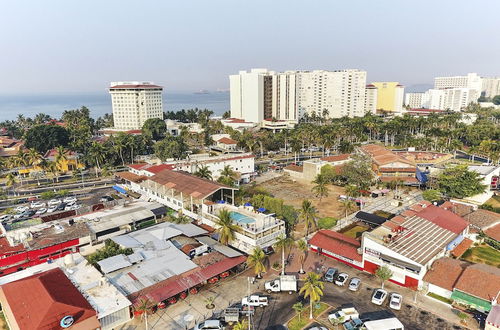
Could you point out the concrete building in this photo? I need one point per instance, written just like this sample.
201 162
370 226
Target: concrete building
454 99
490 87
390 96
414 100
135 102
260 95
471 80
371 95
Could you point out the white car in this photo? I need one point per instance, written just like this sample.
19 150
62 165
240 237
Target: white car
341 279
354 284
72 207
37 205
209 325
5 217
70 199
41 211
54 202
52 209
396 301
21 209
379 296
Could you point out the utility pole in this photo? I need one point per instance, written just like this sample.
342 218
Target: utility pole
248 298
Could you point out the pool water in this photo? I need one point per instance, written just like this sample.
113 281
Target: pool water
241 218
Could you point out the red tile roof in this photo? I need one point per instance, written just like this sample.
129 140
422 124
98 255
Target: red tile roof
480 280
336 158
404 179
337 243
6 249
155 169
226 140
444 219
129 176
461 248
41 300
494 232
445 272
137 166
294 168
53 152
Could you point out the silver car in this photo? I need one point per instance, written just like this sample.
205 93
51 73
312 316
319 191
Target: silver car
395 301
354 284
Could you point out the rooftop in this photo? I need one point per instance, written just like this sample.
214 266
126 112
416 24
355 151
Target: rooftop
226 140
461 248
337 243
494 232
494 316
445 272
481 281
41 300
483 169
336 158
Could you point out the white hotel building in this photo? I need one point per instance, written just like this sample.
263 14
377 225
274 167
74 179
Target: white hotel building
134 102
261 94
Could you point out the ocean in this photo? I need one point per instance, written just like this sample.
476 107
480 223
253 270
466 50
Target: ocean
100 103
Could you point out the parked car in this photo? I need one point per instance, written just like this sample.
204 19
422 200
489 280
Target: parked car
268 250
52 209
105 198
72 207
209 325
353 324
21 209
53 202
395 301
37 205
61 207
28 213
41 211
379 296
341 279
330 274
354 284
254 300
345 313
70 203
317 328
70 199
5 217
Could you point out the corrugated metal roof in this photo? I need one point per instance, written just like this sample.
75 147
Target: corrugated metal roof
225 250
111 264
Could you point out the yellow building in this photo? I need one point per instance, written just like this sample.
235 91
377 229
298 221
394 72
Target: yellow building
390 96
68 163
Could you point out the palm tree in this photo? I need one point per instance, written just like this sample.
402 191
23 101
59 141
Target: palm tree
204 173
308 214
283 242
227 171
256 260
145 307
312 288
241 325
321 187
52 168
106 171
303 247
347 206
34 157
98 154
11 181
61 155
351 190
298 307
225 227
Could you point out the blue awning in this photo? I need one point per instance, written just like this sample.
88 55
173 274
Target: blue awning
421 176
119 189
453 244
261 209
248 204
221 202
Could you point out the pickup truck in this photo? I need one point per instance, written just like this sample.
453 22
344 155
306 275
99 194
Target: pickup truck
345 313
283 283
254 300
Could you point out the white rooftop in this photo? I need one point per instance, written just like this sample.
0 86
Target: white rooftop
483 169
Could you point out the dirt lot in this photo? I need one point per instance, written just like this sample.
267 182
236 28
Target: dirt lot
294 191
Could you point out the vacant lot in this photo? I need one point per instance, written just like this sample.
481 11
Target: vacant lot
354 230
484 254
494 201
294 191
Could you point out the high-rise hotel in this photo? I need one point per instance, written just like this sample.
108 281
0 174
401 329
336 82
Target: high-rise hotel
134 102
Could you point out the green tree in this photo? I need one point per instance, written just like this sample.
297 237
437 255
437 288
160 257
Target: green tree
154 128
347 206
11 181
432 195
458 182
282 243
225 227
321 187
241 325
496 100
303 248
45 137
312 288
204 173
308 214
358 171
170 147
256 260
383 273
298 307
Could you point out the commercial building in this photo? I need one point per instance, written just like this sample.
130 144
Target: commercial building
111 306
135 102
390 96
262 95
490 87
312 167
47 300
371 97
414 100
471 80
202 200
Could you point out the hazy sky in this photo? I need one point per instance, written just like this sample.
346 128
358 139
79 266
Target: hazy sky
73 46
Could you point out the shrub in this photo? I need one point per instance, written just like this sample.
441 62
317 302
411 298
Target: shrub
327 222
48 195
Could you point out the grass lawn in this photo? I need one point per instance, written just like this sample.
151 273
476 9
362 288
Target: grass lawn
440 298
354 231
494 201
484 254
295 324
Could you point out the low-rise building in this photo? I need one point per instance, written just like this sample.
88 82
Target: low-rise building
493 319
490 178
312 167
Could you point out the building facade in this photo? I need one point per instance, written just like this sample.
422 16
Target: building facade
490 87
390 96
371 94
135 102
471 80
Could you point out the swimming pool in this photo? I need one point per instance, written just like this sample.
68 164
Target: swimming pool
241 218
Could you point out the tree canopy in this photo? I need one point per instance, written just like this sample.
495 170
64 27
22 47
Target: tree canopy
171 147
154 128
358 172
45 137
458 182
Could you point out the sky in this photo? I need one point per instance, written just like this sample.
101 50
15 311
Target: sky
61 46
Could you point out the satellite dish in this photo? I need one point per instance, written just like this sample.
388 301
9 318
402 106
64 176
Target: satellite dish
67 321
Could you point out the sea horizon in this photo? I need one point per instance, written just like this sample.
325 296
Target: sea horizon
99 103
